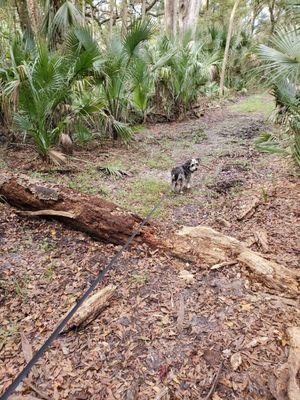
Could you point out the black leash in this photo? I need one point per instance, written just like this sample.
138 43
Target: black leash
22 375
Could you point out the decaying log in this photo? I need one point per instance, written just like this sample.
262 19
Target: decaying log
99 218
91 308
284 384
204 244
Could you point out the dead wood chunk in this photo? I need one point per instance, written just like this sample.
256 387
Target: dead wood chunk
91 308
284 384
97 217
262 239
203 244
249 209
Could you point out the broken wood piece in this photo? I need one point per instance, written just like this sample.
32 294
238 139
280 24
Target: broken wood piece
262 239
284 384
203 244
248 210
91 308
180 314
52 213
224 264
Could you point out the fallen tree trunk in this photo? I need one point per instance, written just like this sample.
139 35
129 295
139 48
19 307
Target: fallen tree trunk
105 221
204 244
99 218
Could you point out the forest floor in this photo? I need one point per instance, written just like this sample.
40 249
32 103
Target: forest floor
135 348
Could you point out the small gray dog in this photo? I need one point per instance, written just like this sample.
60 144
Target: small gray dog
181 175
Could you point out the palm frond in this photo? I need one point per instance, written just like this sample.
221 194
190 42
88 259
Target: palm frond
282 60
140 32
67 16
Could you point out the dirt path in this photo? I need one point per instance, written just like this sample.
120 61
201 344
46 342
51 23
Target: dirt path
161 333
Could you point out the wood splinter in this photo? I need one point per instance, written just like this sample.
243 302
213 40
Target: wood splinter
93 306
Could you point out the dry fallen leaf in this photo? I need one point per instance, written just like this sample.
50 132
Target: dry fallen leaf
236 361
216 397
256 341
28 353
187 276
246 307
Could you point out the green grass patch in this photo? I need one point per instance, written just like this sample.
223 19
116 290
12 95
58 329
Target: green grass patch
257 103
160 161
142 196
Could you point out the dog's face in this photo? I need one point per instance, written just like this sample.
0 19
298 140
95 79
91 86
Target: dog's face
194 164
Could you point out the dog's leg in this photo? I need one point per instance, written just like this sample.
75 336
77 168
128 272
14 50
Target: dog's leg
188 179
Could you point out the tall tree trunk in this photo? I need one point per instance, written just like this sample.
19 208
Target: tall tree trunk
272 16
112 6
34 14
144 4
228 39
171 16
188 15
24 17
124 13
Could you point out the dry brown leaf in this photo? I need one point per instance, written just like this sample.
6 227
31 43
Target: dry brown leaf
187 276
236 361
28 353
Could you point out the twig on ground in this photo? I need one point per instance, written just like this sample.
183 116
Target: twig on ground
215 382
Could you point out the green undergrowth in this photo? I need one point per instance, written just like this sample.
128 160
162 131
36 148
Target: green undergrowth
257 103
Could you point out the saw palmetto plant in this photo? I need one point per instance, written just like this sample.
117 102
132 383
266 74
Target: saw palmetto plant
281 68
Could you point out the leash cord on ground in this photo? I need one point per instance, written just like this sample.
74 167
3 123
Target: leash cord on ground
22 375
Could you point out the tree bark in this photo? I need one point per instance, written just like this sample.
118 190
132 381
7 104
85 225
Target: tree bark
124 13
272 16
144 4
226 53
188 16
171 16
24 17
99 218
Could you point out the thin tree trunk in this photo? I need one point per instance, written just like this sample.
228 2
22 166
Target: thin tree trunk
34 14
226 53
272 16
112 5
144 4
24 17
124 11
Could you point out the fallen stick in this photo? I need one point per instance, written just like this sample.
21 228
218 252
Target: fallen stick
91 308
215 382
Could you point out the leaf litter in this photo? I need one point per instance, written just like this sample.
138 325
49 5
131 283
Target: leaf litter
165 334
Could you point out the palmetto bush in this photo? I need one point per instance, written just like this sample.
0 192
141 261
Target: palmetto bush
184 70
41 88
281 68
52 92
